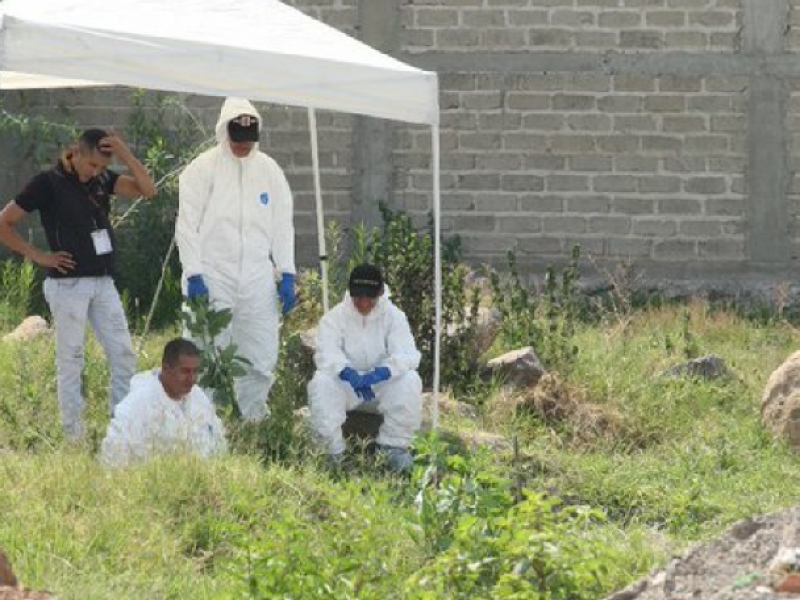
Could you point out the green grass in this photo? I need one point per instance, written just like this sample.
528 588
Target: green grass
684 460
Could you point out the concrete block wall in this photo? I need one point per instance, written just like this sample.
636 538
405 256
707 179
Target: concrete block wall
661 132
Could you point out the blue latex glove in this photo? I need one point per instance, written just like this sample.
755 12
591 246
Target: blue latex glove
376 376
286 292
365 393
196 287
351 376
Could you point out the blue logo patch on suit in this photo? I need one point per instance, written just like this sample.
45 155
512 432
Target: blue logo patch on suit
264 198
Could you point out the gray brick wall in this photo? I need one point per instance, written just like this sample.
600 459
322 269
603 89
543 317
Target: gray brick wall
663 132
615 158
558 25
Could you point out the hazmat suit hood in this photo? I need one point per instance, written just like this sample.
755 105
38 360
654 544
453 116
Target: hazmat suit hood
232 108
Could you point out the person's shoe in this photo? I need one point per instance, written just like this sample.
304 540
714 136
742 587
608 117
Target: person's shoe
397 459
334 461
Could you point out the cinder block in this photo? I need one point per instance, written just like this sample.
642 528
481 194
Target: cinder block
686 40
527 17
706 185
591 163
436 17
573 102
527 101
474 223
596 39
665 19
544 121
674 249
567 183
654 228
564 224
588 204
679 206
540 245
553 38
658 184
633 206
614 183
518 224
571 18
496 38
700 228
629 248
540 203
513 182
487 18
725 207
609 225
722 249
619 19
641 39
498 203
457 38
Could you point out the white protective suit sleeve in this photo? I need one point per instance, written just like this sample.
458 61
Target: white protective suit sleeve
403 355
127 437
330 357
194 190
283 240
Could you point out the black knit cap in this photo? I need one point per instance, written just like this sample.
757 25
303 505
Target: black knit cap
366 281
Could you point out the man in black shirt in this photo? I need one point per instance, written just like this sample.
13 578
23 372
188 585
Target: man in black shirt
73 200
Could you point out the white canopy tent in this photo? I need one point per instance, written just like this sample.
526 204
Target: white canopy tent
262 50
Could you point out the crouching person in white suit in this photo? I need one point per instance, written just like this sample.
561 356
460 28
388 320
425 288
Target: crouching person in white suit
366 355
165 412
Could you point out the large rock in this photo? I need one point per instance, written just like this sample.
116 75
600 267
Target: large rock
780 402
7 577
519 368
10 589
31 327
706 367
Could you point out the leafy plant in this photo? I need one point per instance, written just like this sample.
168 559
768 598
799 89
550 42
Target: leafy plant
220 364
539 549
547 321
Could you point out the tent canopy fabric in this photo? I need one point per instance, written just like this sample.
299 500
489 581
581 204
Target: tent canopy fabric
256 49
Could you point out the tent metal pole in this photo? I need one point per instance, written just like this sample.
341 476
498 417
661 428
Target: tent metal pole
323 255
437 270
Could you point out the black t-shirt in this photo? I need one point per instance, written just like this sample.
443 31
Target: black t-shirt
70 211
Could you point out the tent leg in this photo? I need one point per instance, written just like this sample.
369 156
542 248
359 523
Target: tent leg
437 269
323 255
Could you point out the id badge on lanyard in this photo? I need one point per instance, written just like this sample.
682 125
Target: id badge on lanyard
101 241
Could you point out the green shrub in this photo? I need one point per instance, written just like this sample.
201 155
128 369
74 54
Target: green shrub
547 321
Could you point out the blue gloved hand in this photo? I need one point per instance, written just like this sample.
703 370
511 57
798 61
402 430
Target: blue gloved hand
286 292
196 287
352 377
376 376
365 393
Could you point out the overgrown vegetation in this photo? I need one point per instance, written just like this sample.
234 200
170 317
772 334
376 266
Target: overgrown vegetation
593 476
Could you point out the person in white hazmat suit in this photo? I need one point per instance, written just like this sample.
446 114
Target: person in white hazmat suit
234 231
165 412
366 355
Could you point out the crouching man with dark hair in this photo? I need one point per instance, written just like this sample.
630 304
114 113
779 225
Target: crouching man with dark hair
165 412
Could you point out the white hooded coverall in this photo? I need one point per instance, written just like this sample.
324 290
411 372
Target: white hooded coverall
234 223
346 338
149 422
